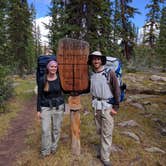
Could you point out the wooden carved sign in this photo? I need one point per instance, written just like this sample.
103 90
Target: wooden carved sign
72 56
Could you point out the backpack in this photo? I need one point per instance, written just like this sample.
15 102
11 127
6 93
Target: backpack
115 64
41 65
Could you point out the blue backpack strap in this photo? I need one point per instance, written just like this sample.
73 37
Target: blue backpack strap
118 71
107 74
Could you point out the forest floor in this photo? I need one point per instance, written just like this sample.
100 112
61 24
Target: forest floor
138 140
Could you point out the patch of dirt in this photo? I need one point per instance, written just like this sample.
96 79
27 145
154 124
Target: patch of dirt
14 141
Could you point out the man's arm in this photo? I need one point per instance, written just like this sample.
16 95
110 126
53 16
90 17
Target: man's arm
115 89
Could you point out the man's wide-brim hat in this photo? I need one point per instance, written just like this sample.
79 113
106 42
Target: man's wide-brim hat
96 54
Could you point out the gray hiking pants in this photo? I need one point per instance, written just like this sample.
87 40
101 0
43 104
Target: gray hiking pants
104 124
51 120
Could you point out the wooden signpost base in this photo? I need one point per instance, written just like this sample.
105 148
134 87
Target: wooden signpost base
75 106
75 132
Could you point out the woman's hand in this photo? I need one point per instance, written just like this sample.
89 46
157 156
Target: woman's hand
39 115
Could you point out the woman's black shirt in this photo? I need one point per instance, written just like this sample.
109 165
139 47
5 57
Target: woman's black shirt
51 98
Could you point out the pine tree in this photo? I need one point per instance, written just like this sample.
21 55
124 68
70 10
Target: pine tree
127 32
117 26
3 32
38 42
6 88
36 33
98 25
20 36
161 44
57 27
76 16
31 47
116 21
82 19
153 17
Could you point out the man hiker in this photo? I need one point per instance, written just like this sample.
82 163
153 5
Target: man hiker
103 90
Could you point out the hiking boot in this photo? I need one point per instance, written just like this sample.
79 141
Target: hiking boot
53 151
98 156
106 163
42 156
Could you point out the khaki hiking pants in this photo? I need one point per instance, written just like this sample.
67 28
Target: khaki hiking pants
51 120
104 124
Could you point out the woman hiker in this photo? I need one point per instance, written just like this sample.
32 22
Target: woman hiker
50 109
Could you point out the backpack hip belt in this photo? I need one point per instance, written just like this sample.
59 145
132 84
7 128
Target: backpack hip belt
100 99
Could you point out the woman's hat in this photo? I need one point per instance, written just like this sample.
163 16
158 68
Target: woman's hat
96 54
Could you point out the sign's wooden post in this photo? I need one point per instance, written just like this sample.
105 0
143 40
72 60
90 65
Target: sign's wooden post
75 106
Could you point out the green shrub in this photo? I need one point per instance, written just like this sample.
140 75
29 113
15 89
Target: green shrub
5 86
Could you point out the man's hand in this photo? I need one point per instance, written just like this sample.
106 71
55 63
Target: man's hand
113 112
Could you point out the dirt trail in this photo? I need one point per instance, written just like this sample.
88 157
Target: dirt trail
14 142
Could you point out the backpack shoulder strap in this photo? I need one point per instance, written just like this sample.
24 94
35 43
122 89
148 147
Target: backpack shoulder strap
107 74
